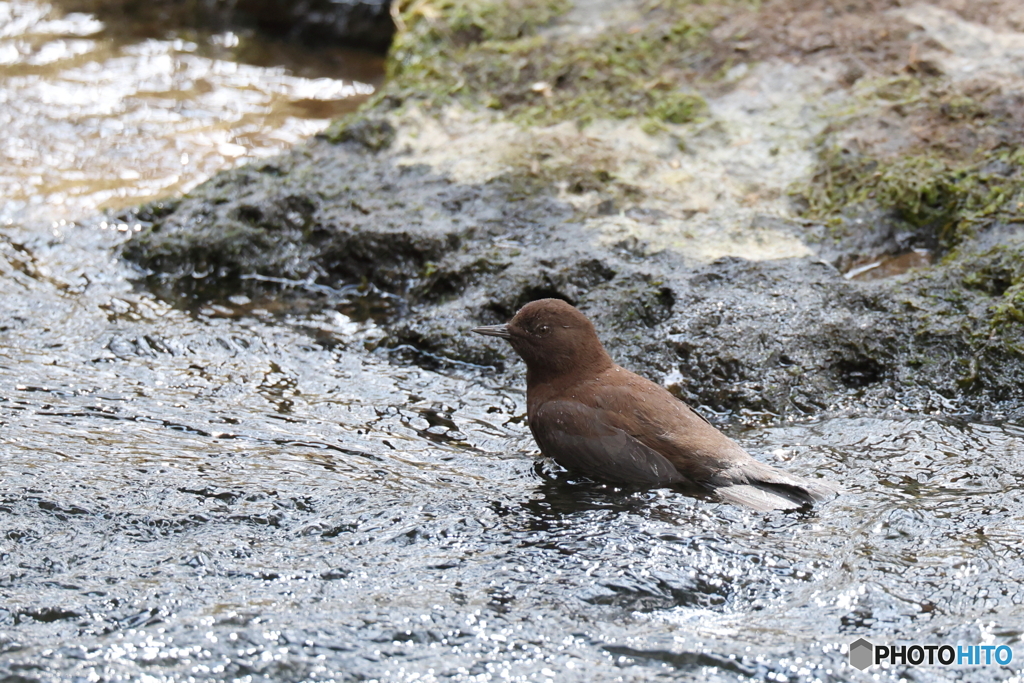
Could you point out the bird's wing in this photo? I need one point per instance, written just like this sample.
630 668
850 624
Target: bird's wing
581 438
667 426
701 453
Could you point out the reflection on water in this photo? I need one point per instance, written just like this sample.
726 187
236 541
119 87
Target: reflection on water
94 119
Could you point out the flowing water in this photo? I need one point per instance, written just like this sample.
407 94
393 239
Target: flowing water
95 115
239 493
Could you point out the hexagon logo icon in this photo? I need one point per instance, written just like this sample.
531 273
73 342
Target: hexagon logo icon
862 654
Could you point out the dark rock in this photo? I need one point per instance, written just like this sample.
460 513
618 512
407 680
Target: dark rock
365 23
777 337
355 23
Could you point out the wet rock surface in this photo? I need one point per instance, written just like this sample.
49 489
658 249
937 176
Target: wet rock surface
673 243
789 336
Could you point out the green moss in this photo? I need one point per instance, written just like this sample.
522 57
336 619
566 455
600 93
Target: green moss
956 184
996 277
958 107
903 89
679 107
946 198
475 21
976 299
994 271
485 53
1010 309
958 166
652 127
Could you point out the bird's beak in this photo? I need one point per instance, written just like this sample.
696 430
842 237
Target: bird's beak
494 331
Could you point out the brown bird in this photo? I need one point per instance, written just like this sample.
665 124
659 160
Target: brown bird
603 421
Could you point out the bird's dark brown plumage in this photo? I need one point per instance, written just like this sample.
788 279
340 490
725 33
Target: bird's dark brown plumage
601 420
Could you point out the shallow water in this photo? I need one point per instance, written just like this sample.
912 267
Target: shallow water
243 493
259 497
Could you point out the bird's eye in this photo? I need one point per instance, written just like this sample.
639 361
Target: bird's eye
543 331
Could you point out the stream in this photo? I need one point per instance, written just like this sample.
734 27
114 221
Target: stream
248 494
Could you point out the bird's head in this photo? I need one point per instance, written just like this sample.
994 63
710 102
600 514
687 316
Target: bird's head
553 338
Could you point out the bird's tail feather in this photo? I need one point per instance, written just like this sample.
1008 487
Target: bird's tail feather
765 488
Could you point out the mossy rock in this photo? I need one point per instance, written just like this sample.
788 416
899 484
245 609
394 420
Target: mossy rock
492 55
372 132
